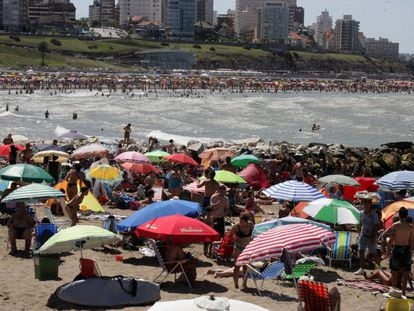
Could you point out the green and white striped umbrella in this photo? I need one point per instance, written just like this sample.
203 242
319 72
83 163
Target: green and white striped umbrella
33 192
77 238
333 211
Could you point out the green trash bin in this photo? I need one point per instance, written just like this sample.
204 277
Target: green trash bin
46 267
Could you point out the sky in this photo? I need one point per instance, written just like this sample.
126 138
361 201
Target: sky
392 19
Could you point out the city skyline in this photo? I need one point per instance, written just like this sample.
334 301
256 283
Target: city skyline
379 18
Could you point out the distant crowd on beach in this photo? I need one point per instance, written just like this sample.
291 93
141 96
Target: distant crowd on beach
28 84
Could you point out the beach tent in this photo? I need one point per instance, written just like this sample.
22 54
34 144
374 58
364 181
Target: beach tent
88 203
255 176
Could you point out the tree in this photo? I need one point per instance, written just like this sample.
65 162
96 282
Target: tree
42 48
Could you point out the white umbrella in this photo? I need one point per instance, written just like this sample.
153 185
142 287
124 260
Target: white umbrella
20 139
62 157
90 151
207 304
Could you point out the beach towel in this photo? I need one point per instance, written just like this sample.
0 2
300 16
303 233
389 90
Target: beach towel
365 285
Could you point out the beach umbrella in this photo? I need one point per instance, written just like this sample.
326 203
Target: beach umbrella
181 158
159 209
397 180
77 238
295 238
20 139
73 135
367 183
157 156
215 154
47 147
132 156
206 303
90 151
177 229
5 149
33 192
26 173
105 173
62 157
140 168
293 190
244 160
228 177
392 209
298 210
339 179
333 211
289 220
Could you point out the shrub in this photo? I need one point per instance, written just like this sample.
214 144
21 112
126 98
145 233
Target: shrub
15 38
246 47
55 42
197 46
296 55
165 44
213 49
92 47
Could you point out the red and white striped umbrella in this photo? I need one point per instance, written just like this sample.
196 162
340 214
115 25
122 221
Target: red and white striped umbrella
295 238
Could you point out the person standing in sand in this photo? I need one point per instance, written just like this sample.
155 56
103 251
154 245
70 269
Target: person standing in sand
72 206
402 243
73 177
127 134
210 185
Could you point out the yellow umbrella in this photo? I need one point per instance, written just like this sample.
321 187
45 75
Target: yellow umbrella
104 172
62 157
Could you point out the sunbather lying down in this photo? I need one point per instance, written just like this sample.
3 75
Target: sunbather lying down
384 277
224 273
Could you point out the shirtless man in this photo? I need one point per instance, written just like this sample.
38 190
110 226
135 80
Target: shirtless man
402 241
211 186
220 205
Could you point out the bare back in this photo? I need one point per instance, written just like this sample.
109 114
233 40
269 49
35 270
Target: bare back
402 234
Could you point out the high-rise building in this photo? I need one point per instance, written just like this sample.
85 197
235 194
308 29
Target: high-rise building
296 17
346 34
46 11
14 15
1 14
274 20
102 12
323 24
151 9
245 21
205 11
382 48
180 18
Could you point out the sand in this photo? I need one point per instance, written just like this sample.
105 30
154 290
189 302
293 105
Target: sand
19 290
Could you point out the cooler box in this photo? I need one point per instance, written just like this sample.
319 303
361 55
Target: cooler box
46 267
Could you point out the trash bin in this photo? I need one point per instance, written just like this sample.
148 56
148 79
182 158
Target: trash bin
46 266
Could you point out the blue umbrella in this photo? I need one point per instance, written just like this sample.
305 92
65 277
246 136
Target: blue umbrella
289 220
397 180
159 209
293 190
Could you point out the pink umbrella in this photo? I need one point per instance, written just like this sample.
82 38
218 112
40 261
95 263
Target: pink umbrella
295 238
90 151
140 168
132 156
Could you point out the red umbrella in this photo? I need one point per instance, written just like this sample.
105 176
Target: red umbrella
178 229
140 168
5 150
181 158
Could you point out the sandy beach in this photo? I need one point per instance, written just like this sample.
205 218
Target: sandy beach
19 290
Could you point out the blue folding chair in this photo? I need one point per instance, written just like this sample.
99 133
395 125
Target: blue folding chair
271 272
43 232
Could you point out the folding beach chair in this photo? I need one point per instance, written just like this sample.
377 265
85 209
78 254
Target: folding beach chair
110 224
88 268
271 272
299 270
314 296
170 267
223 250
43 232
341 250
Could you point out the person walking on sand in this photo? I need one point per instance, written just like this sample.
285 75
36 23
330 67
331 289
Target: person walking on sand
127 134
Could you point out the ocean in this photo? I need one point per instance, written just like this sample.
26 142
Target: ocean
350 119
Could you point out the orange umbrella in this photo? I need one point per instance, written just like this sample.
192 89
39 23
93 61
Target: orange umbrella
391 209
298 210
215 154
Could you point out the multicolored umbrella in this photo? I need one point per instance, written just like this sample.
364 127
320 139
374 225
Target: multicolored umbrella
25 172
132 156
333 211
157 156
105 173
215 154
140 168
228 177
339 179
181 158
244 160
33 192
177 229
159 209
295 238
90 151
397 180
293 190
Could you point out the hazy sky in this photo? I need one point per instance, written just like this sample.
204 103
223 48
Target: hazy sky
392 19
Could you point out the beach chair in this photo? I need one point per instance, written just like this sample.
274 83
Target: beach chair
314 296
271 272
341 250
396 304
43 232
110 224
88 268
170 267
223 250
299 271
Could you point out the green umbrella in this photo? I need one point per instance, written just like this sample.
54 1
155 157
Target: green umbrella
339 179
333 211
25 173
244 160
77 238
228 177
33 192
157 156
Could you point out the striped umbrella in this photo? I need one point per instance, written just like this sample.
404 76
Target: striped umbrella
33 192
293 190
333 211
25 172
397 180
295 238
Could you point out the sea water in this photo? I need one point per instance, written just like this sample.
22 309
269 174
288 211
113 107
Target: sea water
350 119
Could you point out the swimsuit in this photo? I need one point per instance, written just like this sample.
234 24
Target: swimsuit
241 235
401 258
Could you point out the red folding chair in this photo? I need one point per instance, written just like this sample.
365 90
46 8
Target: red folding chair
89 268
314 296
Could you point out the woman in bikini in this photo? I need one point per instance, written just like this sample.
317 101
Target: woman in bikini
241 234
